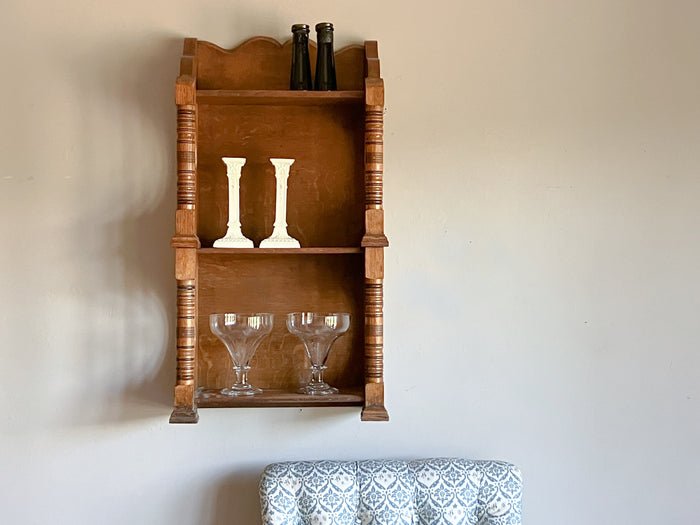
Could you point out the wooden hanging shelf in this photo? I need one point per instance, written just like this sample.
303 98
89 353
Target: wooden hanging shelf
278 97
235 103
280 251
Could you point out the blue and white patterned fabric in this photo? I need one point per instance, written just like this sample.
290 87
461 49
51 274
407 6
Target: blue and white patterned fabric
390 492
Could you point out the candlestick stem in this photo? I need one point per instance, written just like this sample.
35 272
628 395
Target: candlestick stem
280 238
234 236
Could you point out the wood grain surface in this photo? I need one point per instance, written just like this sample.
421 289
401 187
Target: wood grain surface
264 63
207 398
326 182
279 97
280 284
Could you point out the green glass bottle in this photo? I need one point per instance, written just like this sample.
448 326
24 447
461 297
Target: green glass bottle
325 59
300 78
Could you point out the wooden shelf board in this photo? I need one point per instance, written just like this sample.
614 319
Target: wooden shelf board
271 97
285 251
278 398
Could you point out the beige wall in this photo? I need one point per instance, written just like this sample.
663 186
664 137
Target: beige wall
543 283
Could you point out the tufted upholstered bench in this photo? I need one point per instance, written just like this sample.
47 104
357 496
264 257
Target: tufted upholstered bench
389 492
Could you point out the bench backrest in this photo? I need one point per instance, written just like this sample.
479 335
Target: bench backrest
391 492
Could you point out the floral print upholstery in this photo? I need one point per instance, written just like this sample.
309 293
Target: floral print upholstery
391 492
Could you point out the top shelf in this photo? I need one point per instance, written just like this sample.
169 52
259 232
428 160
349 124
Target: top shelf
270 97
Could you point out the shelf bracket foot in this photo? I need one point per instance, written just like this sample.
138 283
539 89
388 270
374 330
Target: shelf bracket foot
374 413
184 415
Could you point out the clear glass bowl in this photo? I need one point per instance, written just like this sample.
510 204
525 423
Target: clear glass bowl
318 331
242 334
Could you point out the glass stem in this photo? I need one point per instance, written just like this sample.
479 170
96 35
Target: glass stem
317 374
241 375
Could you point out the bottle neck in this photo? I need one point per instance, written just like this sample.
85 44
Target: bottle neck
325 61
301 38
324 36
300 78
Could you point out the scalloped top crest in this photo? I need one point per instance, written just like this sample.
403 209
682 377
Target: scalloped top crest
264 63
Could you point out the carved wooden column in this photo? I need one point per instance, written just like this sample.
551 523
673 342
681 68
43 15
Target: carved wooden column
374 240
185 240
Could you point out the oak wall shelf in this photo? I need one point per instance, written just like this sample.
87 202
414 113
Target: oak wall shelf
281 251
279 97
235 103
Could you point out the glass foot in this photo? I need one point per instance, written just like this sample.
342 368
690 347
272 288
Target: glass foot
241 390
318 389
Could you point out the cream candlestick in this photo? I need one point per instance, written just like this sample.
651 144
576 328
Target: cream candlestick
280 238
234 236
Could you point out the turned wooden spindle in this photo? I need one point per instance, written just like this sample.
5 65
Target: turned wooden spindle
374 156
186 156
185 240
374 239
374 331
186 326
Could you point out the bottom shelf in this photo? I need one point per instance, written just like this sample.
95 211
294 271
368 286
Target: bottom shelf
278 398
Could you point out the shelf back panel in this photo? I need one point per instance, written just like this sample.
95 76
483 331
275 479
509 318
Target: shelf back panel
281 284
264 63
325 204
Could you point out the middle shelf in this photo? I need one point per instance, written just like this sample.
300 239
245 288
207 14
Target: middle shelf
282 251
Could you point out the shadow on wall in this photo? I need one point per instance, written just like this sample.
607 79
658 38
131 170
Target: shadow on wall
119 290
126 342
236 500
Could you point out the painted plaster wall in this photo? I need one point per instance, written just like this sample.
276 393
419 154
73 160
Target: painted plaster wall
543 282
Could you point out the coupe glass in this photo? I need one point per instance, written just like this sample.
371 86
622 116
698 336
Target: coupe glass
241 333
318 331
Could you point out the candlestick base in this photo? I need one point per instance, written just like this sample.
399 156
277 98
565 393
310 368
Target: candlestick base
232 241
280 239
